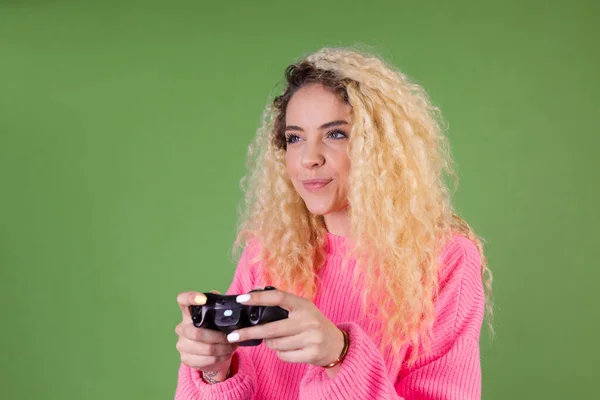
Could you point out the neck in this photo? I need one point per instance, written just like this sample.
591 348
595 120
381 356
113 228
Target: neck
338 223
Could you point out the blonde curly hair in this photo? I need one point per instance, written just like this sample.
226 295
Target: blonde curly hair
400 207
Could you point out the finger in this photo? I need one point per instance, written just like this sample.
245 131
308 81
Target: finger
203 335
230 293
185 345
305 355
284 300
202 362
215 292
283 328
296 342
187 299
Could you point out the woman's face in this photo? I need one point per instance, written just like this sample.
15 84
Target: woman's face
317 129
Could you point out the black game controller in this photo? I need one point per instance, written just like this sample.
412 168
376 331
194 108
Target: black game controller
223 313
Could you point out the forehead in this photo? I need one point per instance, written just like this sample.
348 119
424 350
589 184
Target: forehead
313 105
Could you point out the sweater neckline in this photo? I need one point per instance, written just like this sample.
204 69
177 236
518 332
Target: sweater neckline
336 244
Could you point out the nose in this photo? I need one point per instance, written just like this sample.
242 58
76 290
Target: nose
312 156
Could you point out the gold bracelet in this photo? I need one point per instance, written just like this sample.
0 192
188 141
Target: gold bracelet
344 351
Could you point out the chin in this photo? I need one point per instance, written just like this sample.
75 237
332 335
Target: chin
318 211
318 208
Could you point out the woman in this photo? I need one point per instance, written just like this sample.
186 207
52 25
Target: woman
348 216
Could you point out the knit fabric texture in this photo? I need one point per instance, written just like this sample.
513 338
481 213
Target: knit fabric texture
451 369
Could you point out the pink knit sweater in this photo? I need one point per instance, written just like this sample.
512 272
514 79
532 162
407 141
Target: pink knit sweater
450 371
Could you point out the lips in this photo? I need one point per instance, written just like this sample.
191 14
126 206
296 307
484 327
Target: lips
313 185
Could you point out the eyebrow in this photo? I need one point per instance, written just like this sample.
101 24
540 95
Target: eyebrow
324 126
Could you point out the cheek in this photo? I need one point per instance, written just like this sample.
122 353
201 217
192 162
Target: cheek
290 165
342 166
346 169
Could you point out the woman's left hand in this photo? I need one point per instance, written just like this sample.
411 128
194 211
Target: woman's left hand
306 336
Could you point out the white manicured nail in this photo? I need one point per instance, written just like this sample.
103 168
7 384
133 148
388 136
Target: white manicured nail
242 298
233 337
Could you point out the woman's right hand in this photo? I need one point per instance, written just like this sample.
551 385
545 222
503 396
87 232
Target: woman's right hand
202 349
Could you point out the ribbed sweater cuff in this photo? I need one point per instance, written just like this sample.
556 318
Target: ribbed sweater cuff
241 386
362 374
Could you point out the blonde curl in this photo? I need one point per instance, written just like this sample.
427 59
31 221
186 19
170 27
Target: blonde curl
400 205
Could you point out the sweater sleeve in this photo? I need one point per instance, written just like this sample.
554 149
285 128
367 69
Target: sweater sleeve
450 370
242 385
362 374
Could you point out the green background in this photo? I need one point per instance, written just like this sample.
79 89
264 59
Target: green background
123 132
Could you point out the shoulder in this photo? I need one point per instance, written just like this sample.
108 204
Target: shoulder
461 295
251 259
252 250
246 271
459 256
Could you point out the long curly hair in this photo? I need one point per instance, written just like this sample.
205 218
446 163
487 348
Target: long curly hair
400 206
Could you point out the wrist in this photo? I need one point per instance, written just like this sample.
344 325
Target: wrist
217 374
341 354
214 376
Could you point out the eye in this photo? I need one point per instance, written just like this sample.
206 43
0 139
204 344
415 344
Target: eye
291 138
337 134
